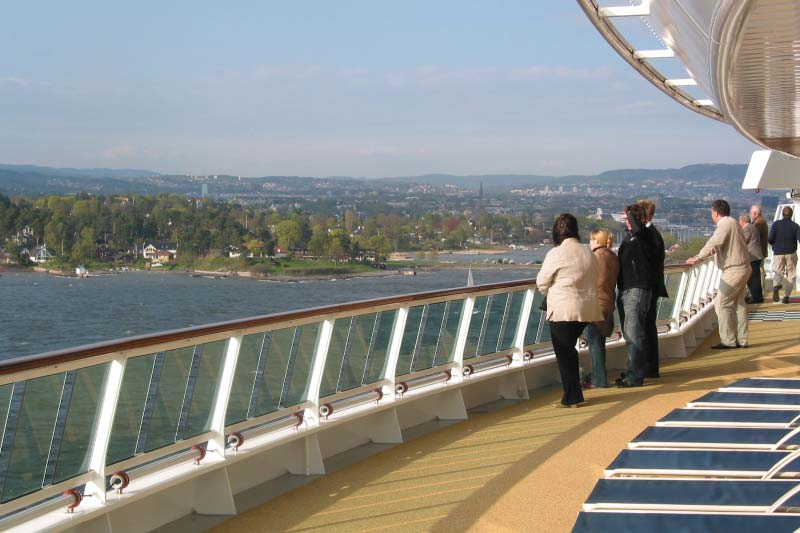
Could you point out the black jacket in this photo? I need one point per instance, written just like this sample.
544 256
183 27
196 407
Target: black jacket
783 236
658 242
638 259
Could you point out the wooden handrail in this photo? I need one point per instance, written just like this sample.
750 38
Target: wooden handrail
31 362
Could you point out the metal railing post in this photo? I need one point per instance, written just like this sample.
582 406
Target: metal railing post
394 346
220 407
522 327
317 369
461 336
96 486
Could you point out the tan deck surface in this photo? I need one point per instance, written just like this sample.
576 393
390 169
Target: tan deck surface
527 467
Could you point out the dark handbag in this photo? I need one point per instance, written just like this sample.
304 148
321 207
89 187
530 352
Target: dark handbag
543 305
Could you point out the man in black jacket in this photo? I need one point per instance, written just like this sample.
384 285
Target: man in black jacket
637 278
652 369
783 236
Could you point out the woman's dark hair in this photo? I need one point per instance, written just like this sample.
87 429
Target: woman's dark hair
721 207
565 227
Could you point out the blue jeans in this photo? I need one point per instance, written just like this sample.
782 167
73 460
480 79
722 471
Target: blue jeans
633 306
597 354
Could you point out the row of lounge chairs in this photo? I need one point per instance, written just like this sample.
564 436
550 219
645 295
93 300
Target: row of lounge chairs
729 461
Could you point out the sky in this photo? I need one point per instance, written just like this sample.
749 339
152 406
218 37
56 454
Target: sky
348 88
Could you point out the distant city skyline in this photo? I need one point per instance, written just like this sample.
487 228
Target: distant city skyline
356 88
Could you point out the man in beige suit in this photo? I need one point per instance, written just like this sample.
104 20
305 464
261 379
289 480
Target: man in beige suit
728 243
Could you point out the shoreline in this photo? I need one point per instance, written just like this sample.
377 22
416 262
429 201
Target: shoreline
278 278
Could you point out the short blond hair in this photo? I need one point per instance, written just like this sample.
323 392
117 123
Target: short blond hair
603 236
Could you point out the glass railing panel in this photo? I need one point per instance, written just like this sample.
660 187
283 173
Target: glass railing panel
667 305
493 324
449 332
198 418
380 346
5 403
532 329
476 325
335 356
244 378
81 419
430 336
277 356
298 373
410 336
172 381
357 351
130 408
511 322
33 433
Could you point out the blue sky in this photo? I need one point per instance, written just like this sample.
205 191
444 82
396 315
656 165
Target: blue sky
360 88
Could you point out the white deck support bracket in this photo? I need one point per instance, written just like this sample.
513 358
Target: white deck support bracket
96 486
654 54
394 348
680 82
642 10
217 442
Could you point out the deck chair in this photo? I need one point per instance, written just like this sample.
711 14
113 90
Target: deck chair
722 417
717 438
703 495
748 400
705 463
647 522
786 385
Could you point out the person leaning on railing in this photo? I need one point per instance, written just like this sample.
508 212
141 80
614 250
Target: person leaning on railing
568 281
728 244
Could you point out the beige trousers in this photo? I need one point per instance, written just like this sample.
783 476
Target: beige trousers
730 305
784 268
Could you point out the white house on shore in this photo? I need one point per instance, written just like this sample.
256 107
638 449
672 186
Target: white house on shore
160 251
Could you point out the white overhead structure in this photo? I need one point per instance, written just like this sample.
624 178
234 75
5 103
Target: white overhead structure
745 56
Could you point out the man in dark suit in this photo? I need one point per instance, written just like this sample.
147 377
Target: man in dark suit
659 291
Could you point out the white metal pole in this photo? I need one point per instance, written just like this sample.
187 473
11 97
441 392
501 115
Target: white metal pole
220 406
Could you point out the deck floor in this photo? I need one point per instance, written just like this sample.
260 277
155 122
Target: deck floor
525 467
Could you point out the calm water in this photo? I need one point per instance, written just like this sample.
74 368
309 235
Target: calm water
40 313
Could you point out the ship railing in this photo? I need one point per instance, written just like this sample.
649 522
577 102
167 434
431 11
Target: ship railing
118 421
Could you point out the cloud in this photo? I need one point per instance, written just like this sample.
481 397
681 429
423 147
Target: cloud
22 82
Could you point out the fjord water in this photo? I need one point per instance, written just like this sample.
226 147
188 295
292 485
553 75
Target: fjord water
42 313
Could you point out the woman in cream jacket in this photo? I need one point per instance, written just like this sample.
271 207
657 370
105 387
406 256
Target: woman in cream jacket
568 279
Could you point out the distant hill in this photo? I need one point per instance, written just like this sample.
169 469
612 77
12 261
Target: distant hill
710 172
31 180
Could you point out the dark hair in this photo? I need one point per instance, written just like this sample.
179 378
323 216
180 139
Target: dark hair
721 207
565 227
636 213
787 212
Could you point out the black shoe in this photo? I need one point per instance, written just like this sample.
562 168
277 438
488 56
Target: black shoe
785 300
627 384
776 293
721 346
620 379
749 300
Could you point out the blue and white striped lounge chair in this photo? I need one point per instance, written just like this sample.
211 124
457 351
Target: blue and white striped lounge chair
721 417
703 495
717 438
648 522
748 400
706 463
787 385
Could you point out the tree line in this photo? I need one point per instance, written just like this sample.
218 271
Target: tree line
73 226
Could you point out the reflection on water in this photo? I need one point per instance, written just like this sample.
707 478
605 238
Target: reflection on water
42 313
